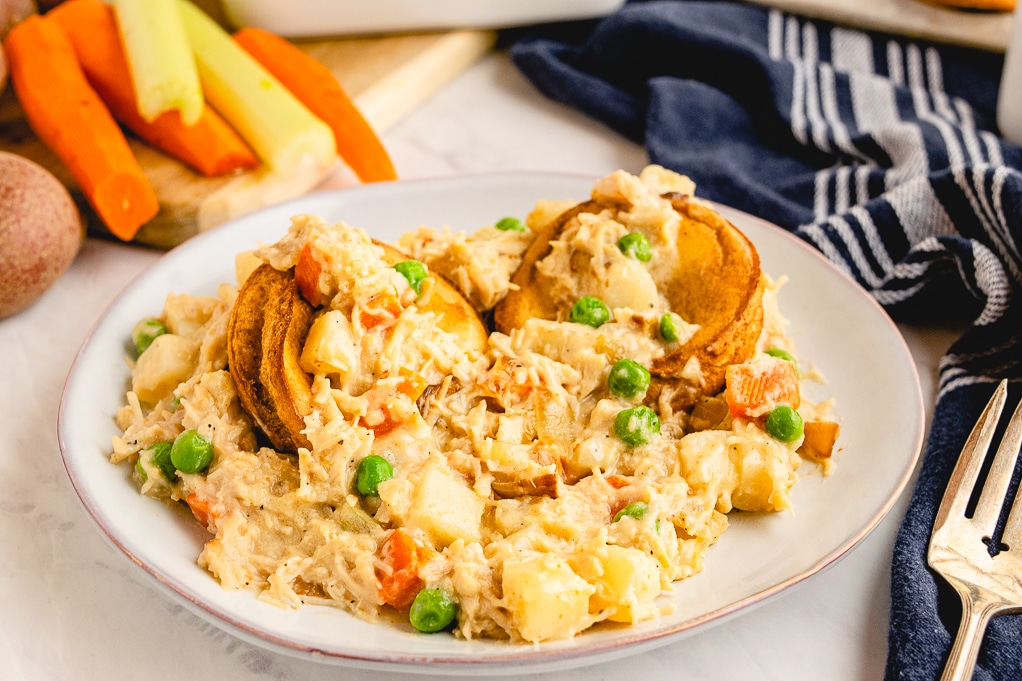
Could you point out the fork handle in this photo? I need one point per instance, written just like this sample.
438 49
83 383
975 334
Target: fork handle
976 612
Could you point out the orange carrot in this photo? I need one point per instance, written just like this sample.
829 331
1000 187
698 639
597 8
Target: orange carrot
206 511
403 555
750 387
68 115
307 273
210 146
317 88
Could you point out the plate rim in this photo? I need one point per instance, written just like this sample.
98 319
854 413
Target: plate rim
518 659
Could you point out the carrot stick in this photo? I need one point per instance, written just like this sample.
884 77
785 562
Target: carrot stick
317 88
210 145
67 114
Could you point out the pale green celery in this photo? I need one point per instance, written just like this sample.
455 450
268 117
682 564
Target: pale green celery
275 124
160 58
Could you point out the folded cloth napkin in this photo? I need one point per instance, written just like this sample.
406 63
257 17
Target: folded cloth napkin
881 152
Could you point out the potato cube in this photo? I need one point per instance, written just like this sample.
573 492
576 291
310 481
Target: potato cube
165 364
627 582
330 347
546 598
445 508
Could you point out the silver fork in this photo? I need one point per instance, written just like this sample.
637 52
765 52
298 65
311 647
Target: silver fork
988 585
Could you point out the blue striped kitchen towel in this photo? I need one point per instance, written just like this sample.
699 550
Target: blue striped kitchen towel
880 151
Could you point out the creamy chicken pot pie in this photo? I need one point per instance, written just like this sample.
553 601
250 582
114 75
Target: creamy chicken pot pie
351 434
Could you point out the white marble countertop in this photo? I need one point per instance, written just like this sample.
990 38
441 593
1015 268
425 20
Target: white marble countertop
73 607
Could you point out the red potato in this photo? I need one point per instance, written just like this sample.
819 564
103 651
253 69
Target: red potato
13 11
40 232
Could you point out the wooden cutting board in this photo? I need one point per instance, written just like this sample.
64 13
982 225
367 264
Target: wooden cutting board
387 76
913 18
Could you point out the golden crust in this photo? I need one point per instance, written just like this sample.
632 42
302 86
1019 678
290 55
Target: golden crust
717 284
267 331
456 314
265 334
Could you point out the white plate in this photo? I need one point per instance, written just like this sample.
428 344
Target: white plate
305 18
835 325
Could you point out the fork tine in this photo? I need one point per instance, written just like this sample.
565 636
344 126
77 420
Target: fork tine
992 498
963 477
1013 527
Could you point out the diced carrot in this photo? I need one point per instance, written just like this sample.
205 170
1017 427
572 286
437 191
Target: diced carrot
820 438
403 556
205 511
307 273
753 386
409 385
381 308
210 146
317 88
71 119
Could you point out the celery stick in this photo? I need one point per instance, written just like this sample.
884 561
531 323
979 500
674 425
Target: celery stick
274 123
162 67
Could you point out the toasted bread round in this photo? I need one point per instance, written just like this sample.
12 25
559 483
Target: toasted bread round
265 335
716 283
267 331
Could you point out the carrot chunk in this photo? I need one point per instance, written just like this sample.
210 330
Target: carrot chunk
754 386
210 145
71 119
402 555
317 88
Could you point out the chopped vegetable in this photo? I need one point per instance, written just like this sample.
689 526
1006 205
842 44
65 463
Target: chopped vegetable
637 425
432 610
589 310
371 471
191 453
784 424
636 245
317 88
754 387
669 327
414 271
636 510
510 224
820 438
162 67
275 124
145 332
161 458
402 555
210 146
628 379
67 114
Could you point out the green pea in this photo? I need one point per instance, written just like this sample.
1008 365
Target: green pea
432 610
510 225
669 327
591 311
371 471
784 424
414 271
636 509
191 453
637 425
161 458
628 379
636 245
141 471
145 332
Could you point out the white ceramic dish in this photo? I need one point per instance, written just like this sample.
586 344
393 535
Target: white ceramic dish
835 325
306 18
